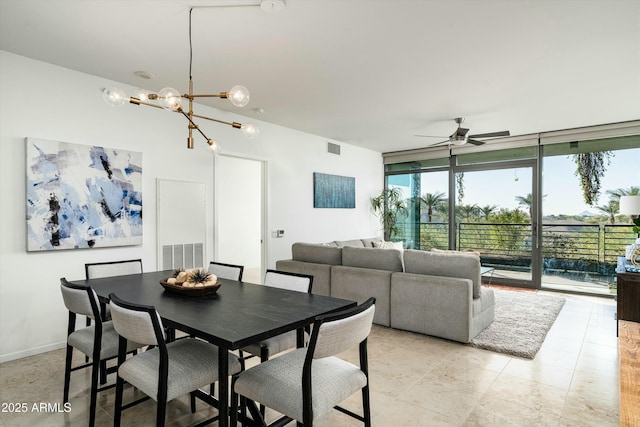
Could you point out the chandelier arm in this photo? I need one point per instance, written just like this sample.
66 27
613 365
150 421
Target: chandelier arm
195 126
208 95
232 124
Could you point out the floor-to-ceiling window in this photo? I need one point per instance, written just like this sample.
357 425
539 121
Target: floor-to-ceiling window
519 203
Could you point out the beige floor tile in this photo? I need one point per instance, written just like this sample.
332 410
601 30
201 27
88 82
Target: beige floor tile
415 380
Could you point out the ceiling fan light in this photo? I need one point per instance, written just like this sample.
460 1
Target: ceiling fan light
459 141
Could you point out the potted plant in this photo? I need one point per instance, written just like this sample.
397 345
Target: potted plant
388 206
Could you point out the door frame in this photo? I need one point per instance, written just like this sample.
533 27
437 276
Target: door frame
264 242
536 230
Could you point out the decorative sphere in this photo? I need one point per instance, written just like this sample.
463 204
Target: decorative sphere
114 96
239 96
250 130
170 98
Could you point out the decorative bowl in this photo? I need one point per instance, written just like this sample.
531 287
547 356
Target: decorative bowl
198 291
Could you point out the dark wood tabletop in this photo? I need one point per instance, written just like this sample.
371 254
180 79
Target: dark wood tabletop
237 315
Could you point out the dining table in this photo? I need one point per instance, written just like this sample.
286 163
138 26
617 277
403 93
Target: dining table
237 315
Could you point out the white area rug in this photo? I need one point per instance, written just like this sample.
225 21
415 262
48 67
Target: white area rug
521 323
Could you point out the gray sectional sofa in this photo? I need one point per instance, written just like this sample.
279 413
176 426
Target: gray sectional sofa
433 293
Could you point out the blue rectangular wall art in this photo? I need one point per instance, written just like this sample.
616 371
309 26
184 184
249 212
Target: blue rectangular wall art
333 191
82 196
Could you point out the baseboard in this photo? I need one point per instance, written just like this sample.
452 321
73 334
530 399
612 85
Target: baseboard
31 352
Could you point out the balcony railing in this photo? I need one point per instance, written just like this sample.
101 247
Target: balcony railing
567 248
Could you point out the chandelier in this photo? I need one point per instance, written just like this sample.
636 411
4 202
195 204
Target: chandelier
170 99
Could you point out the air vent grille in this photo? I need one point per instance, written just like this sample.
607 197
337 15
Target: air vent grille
333 148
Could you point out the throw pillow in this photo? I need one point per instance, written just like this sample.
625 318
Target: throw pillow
388 245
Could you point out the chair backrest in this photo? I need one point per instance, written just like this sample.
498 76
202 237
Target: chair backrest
226 271
138 323
333 334
80 299
287 280
97 270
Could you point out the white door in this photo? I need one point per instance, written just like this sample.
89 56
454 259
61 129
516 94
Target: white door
239 214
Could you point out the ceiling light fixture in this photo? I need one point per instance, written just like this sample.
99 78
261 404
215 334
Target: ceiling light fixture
170 99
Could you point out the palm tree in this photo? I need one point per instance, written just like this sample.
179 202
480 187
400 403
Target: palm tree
467 211
487 210
610 209
389 205
432 201
527 202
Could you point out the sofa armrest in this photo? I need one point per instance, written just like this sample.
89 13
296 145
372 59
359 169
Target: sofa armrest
432 305
321 274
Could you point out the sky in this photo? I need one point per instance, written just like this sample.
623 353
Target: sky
560 185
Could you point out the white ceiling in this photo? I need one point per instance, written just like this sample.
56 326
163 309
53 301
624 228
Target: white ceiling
367 72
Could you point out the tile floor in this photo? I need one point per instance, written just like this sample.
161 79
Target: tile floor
416 380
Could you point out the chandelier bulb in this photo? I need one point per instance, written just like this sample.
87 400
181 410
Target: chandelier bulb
250 130
114 96
214 146
141 94
170 99
239 96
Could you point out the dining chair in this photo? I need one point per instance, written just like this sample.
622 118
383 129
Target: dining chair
97 270
98 342
307 383
170 369
278 344
226 271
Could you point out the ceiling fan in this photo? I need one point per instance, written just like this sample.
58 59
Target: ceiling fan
460 137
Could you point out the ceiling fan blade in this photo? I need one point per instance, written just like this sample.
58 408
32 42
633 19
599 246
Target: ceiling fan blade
445 142
491 134
474 141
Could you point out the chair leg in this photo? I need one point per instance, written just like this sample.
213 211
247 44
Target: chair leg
67 373
160 413
103 372
192 398
118 403
233 410
366 406
95 371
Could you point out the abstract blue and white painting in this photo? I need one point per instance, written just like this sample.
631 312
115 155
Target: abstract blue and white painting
82 196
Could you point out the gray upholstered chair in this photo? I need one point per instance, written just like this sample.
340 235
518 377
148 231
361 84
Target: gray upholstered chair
167 371
307 383
97 270
98 342
226 271
283 280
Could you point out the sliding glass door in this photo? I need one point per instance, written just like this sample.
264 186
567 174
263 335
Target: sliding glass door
495 215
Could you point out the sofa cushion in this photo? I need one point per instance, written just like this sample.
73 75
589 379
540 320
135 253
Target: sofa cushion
453 252
357 243
444 264
317 253
374 258
371 242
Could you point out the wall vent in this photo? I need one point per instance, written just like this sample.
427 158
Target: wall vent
333 148
188 255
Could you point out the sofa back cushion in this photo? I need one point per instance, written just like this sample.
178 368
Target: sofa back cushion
462 265
357 243
317 253
377 259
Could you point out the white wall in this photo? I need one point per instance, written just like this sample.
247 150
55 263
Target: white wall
45 101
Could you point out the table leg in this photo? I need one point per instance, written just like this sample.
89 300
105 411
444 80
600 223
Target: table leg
223 386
